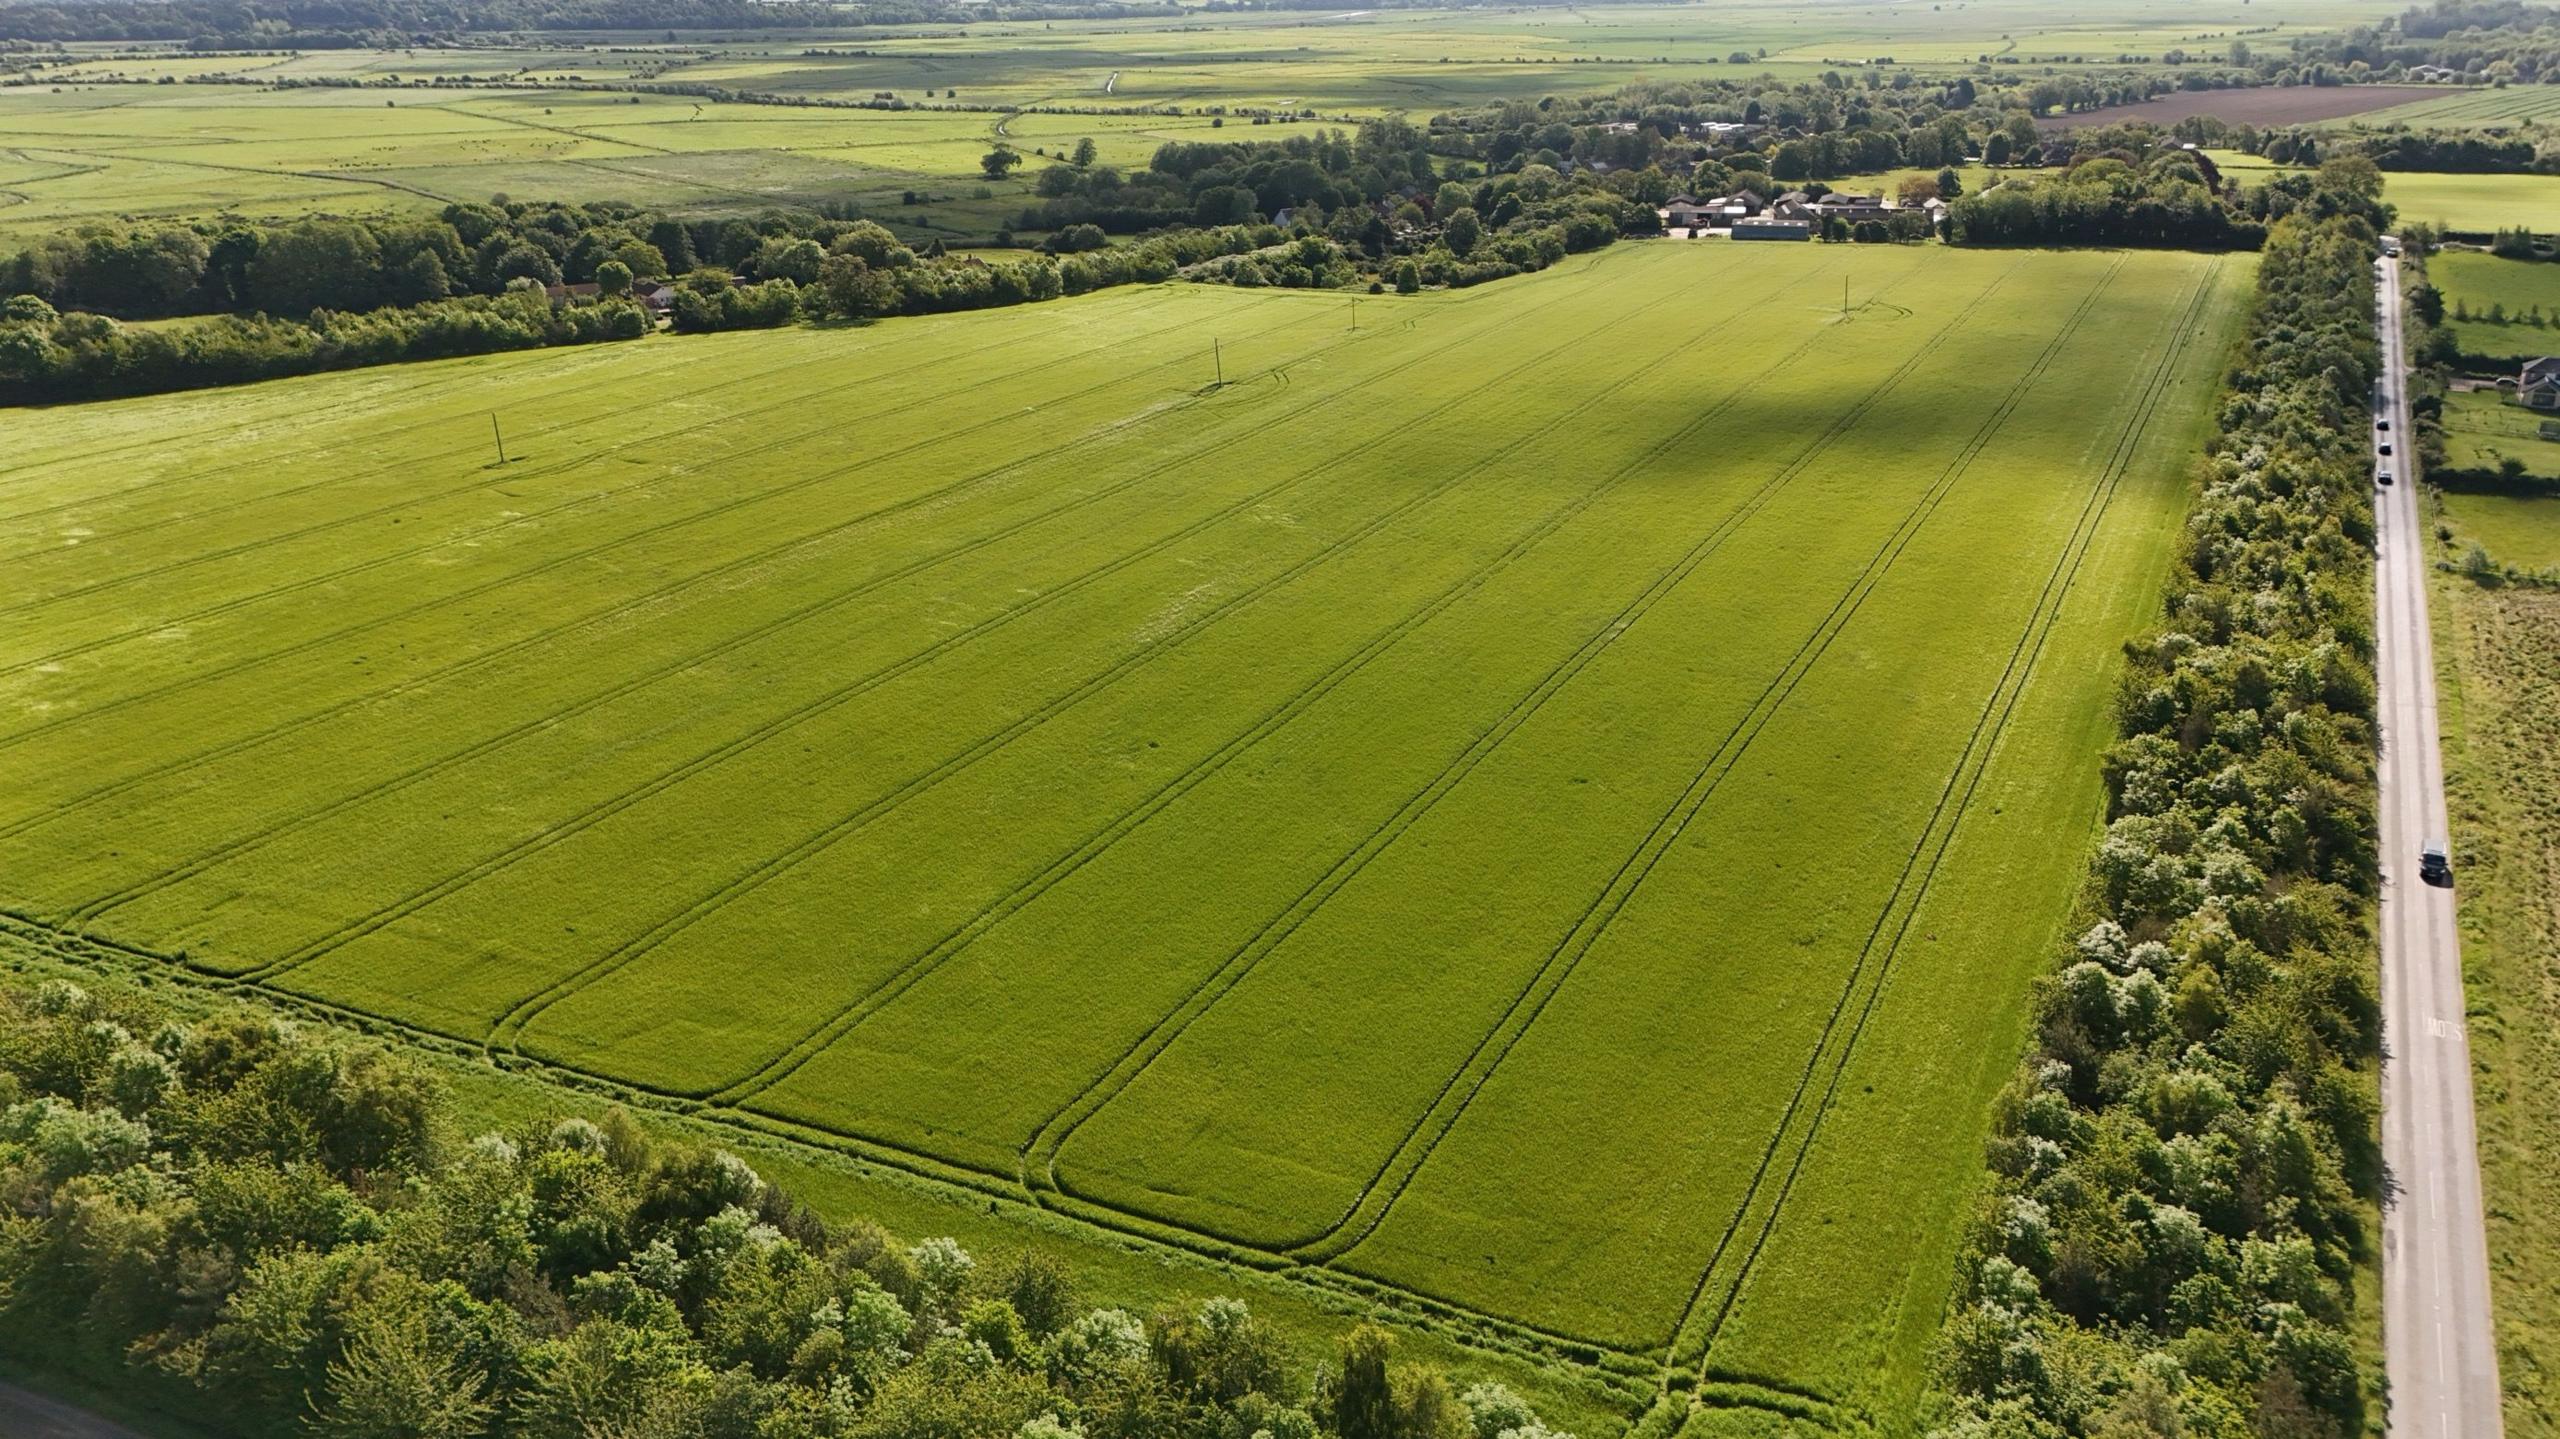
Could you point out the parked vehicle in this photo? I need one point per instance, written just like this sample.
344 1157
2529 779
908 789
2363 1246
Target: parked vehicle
2434 865
2383 479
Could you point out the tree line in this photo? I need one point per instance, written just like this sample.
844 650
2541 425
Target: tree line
863 273
269 1230
2164 199
2181 1169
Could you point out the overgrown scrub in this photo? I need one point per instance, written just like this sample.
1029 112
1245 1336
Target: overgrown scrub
285 1233
2182 1166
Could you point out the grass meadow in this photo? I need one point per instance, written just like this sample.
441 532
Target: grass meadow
2485 428
1500 806
2476 281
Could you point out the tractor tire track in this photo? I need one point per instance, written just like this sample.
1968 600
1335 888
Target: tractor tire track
1588 930
1042 1149
1095 844
1945 819
201 557
597 814
498 582
632 604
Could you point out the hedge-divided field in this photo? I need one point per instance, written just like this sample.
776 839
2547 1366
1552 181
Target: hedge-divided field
1544 799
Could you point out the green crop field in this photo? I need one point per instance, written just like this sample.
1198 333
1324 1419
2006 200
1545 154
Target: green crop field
1544 800
2520 289
2481 108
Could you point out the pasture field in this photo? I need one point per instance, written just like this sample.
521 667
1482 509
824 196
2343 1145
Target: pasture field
2521 530
2483 428
2519 288
1503 808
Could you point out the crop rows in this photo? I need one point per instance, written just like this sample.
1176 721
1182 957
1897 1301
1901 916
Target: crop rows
1464 805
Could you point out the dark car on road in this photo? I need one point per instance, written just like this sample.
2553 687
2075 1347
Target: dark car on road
2434 865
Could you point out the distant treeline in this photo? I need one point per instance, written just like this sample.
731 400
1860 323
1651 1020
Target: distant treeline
351 24
862 273
2449 152
2183 1167
2491 41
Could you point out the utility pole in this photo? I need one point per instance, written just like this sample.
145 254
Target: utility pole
1355 314
496 434
1844 294
1218 359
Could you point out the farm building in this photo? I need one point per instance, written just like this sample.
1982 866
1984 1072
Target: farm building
2538 384
1772 229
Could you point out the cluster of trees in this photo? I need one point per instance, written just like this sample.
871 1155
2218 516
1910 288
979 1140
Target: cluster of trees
2118 198
2490 42
2444 151
2181 1166
273 1232
348 24
49 355
145 271
1368 202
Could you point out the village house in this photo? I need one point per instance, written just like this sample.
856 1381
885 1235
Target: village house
2538 384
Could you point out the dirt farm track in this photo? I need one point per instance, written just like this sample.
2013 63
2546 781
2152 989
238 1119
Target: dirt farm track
2266 105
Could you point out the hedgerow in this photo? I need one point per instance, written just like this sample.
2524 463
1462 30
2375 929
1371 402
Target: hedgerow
2184 1165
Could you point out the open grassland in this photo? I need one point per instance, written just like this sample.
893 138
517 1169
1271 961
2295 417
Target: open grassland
1503 806
2485 428
2520 289
2499 678
2477 204
2520 530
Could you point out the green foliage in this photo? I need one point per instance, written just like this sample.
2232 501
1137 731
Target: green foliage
348 1264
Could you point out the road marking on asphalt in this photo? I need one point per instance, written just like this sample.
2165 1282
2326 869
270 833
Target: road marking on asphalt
2438 1028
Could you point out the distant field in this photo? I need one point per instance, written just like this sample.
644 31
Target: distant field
1507 803
2477 281
2476 108
2263 105
108 152
2483 428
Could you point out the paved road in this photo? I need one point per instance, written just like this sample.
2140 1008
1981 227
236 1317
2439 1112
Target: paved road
2438 1346
25 1414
